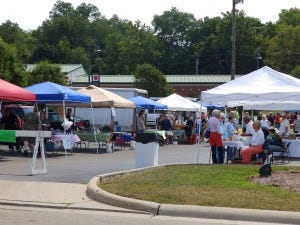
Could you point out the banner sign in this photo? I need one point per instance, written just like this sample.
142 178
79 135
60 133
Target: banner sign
8 136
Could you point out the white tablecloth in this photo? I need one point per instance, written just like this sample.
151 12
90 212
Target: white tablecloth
236 144
68 139
294 147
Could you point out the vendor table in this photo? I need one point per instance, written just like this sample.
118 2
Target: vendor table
237 145
234 144
120 138
179 135
160 133
60 137
90 137
68 140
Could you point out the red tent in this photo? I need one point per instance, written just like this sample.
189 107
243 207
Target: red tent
11 92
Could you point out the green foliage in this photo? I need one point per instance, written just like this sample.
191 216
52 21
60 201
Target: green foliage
176 41
175 29
11 68
44 71
283 49
290 17
150 78
22 41
296 72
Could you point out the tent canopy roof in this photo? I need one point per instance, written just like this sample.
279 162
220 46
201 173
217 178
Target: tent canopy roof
104 98
51 93
147 103
176 102
264 84
11 92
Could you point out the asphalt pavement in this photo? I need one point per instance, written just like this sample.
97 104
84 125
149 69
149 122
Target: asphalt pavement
82 166
64 185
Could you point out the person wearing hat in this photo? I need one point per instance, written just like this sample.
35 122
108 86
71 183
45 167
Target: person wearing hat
273 139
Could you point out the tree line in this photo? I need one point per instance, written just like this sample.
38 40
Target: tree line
176 43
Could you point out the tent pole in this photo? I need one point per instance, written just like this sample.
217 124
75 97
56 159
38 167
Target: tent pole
64 111
243 112
133 128
198 126
94 128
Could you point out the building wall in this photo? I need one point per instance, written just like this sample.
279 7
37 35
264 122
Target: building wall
186 90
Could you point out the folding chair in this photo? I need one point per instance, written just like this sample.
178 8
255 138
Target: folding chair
279 153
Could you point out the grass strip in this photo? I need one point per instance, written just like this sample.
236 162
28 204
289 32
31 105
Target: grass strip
206 185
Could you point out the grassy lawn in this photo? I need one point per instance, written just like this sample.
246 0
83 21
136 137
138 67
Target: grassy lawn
213 185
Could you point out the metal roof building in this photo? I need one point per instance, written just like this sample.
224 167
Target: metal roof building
185 85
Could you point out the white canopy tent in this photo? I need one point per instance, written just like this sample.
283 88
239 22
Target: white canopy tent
273 105
262 85
176 102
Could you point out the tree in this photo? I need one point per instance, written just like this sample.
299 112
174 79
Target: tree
283 49
289 17
44 71
150 78
23 41
128 45
174 29
11 68
296 72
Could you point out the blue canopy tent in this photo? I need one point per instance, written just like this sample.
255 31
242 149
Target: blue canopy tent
52 93
146 103
211 106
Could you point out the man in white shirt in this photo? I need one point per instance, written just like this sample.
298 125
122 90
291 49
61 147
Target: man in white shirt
215 139
284 129
256 145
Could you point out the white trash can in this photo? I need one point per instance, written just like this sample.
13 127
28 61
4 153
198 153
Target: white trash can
109 148
132 144
146 150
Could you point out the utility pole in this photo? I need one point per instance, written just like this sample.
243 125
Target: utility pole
233 38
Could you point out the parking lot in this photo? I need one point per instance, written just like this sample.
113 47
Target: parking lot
80 167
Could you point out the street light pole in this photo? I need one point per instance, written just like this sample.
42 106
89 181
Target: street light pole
89 64
258 58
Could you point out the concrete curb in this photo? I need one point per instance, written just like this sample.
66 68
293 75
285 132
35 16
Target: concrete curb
96 193
266 216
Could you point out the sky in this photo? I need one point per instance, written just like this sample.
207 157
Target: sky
30 14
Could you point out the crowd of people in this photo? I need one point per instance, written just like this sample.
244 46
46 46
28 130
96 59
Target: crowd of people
256 134
175 121
35 120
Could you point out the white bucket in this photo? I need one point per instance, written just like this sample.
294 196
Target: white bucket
109 148
132 145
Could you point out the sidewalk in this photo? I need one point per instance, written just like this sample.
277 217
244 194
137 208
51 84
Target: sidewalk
52 195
